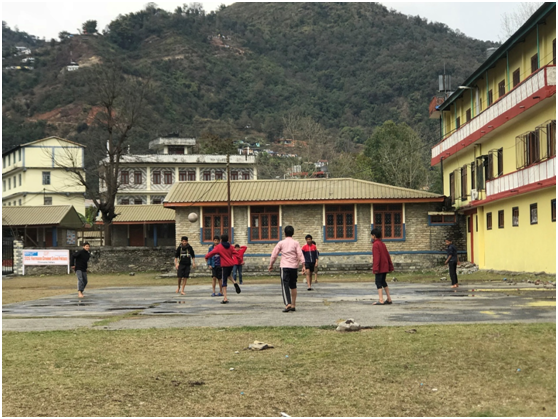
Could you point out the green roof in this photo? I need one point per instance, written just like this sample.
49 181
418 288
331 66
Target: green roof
47 215
518 36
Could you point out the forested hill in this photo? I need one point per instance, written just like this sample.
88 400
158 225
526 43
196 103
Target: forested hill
240 70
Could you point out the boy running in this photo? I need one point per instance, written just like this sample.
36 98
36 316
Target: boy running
291 257
79 265
226 252
381 265
183 259
214 262
238 262
310 259
452 262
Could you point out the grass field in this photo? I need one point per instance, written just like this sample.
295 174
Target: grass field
33 287
453 370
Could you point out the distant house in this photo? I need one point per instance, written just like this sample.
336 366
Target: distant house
73 66
41 226
23 51
28 60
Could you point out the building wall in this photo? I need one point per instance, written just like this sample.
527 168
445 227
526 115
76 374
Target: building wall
423 245
527 247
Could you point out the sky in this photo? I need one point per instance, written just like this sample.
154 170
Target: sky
48 18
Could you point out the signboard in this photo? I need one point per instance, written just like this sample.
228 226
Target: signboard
46 257
70 237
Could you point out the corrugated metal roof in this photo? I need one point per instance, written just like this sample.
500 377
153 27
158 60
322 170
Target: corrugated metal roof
40 215
291 190
139 213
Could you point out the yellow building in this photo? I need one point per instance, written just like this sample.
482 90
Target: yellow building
35 174
498 151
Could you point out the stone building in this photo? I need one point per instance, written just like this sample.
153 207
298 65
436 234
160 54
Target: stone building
338 213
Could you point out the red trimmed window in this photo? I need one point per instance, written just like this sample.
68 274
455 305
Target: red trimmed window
501 88
138 178
515 77
534 63
218 175
389 218
138 202
124 201
534 213
515 216
215 222
489 221
490 98
124 178
182 176
206 175
168 178
191 175
234 175
245 176
501 219
264 223
157 178
340 222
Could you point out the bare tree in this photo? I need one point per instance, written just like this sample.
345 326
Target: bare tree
121 101
512 21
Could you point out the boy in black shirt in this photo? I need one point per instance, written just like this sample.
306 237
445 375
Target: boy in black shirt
79 264
452 262
183 258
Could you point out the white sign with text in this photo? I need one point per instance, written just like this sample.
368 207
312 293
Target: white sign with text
46 257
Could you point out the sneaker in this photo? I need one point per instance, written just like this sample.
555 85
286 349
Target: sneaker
220 295
214 295
240 282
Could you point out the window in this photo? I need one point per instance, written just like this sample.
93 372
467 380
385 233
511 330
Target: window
125 201
452 187
4 185
501 88
168 178
9 183
552 210
389 218
340 223
124 177
490 167
457 122
532 149
218 175
191 175
182 176
19 202
468 114
157 178
207 175
138 178
234 175
138 201
441 219
19 154
19 178
46 178
501 219
490 98
473 184
47 200
515 216
215 222
245 176
173 149
464 183
156 201
500 155
533 212
264 223
489 221
534 63
516 77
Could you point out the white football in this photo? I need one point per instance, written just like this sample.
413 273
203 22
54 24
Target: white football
193 217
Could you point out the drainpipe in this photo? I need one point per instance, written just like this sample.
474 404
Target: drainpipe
508 69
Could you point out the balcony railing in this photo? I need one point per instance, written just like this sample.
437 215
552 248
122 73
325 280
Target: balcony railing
545 76
524 177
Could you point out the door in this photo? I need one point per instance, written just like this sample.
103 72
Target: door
472 235
48 237
136 235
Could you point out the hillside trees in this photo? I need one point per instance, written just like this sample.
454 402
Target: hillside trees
90 27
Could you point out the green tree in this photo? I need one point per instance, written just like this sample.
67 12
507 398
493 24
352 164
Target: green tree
90 26
400 155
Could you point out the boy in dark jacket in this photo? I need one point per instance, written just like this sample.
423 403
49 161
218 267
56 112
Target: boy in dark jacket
238 262
79 265
452 262
381 265
310 259
226 252
183 259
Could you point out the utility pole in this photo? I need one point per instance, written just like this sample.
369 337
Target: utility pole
229 194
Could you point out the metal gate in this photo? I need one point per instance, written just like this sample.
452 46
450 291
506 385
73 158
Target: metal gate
7 256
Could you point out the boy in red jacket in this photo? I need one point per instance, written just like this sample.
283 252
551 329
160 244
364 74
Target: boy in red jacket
381 265
238 262
226 252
